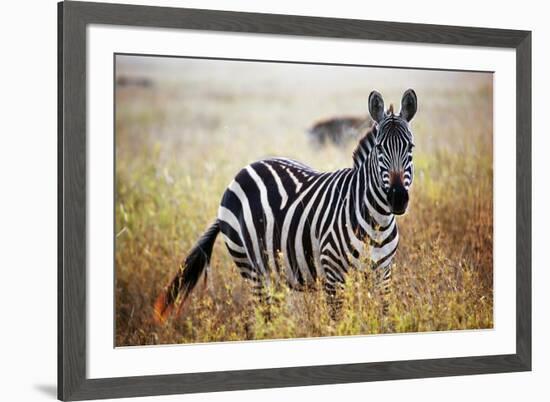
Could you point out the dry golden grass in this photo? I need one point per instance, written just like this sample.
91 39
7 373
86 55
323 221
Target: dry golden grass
179 143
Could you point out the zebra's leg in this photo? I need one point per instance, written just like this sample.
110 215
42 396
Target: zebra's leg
253 280
250 318
263 298
383 285
335 299
260 298
333 285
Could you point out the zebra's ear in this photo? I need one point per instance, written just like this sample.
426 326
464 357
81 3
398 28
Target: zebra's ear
409 104
376 106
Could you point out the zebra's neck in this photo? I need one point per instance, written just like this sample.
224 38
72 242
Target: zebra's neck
369 208
375 197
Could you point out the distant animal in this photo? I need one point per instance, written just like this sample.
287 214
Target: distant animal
134 81
338 130
279 216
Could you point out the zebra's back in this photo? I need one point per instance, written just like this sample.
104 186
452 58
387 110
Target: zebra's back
268 208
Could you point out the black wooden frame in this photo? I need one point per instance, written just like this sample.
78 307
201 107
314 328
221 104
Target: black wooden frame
73 18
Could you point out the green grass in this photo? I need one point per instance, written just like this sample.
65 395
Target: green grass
180 143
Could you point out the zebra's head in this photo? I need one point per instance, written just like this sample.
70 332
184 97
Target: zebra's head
394 144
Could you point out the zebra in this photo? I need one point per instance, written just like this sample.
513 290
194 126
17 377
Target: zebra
338 130
280 216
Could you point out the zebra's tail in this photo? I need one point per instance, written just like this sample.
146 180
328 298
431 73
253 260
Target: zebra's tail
188 275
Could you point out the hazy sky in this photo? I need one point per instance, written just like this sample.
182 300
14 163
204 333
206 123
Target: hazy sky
294 76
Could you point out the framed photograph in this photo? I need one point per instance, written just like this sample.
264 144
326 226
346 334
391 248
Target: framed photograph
256 201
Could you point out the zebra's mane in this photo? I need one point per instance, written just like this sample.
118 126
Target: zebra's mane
362 151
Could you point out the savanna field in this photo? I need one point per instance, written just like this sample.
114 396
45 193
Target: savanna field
186 127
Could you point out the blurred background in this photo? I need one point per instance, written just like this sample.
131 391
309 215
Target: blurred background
184 127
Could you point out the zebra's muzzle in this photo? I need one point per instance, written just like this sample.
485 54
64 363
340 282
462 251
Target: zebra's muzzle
398 198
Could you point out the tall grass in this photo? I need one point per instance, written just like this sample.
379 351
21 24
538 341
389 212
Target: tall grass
178 145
